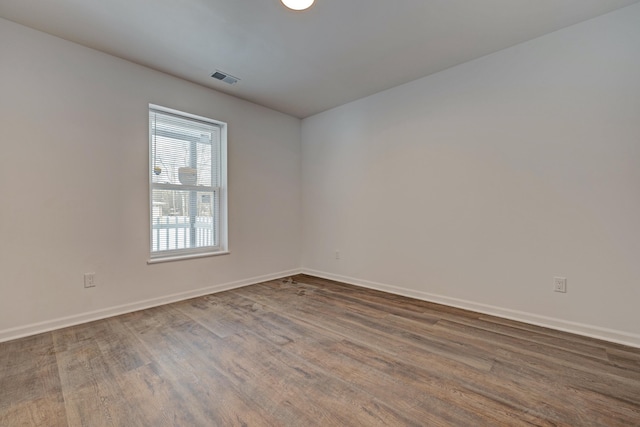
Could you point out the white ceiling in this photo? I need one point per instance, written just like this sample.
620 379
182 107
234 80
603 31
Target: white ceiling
302 63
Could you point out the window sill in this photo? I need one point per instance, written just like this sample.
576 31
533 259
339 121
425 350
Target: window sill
183 257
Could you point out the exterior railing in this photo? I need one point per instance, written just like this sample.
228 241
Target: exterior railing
174 232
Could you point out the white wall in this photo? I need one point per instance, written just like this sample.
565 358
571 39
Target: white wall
74 185
476 186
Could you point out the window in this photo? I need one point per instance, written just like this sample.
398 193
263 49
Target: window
187 175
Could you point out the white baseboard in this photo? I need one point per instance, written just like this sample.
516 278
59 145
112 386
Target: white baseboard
611 335
63 322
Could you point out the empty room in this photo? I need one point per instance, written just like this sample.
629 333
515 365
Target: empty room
319 213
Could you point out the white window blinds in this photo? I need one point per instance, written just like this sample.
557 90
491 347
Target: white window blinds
187 176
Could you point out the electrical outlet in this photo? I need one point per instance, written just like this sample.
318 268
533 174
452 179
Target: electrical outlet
89 280
560 284
337 254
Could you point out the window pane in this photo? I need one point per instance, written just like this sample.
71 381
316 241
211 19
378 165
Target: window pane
184 220
183 153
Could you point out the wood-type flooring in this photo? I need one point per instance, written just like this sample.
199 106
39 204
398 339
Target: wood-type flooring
315 353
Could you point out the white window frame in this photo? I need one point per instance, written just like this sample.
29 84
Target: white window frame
221 216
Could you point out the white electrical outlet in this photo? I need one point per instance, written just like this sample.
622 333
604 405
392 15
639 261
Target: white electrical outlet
89 280
337 254
560 284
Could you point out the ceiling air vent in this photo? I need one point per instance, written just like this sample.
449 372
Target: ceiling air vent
227 78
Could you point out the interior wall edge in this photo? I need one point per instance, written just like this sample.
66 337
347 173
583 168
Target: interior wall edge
77 319
591 331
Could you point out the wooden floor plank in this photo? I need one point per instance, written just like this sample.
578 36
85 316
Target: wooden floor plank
593 350
30 388
375 333
221 386
306 342
555 357
315 352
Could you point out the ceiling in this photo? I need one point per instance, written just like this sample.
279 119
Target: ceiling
302 63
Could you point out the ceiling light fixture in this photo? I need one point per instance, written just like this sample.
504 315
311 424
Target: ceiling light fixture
298 4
